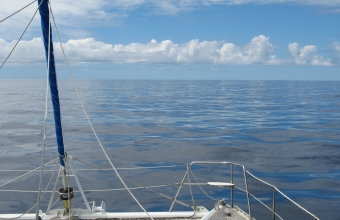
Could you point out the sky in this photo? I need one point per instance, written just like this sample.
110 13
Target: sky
178 39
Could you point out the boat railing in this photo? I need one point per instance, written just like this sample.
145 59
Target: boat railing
263 200
245 191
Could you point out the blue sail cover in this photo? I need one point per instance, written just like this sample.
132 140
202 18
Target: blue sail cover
44 13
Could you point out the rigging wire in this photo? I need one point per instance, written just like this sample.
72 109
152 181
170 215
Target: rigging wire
50 207
21 35
122 168
94 190
94 132
17 11
8 182
137 184
45 121
192 196
49 182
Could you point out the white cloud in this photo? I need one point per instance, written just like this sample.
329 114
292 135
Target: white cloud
336 46
89 50
257 51
26 51
307 55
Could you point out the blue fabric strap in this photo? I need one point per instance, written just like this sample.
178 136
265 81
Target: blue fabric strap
44 13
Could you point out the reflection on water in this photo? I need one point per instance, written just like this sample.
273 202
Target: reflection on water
285 132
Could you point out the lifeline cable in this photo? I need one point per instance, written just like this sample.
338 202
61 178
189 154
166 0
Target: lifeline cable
41 195
137 184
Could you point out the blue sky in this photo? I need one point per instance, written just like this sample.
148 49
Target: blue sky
180 39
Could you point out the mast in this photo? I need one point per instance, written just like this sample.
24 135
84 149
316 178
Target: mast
45 26
65 192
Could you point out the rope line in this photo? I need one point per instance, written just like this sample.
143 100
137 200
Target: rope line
94 190
17 11
284 195
41 195
51 207
94 132
192 196
202 188
45 122
137 184
21 35
26 173
123 168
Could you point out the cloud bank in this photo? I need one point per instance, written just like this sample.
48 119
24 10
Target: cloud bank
258 51
307 55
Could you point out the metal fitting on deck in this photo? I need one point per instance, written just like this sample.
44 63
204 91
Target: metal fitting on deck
66 194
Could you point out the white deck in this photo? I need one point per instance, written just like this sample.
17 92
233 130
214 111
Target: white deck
221 211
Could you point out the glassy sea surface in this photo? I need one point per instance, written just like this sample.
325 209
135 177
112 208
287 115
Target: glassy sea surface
284 132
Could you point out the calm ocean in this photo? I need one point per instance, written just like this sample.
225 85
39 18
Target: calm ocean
285 132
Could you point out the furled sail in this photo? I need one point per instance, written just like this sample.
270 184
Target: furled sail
46 28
